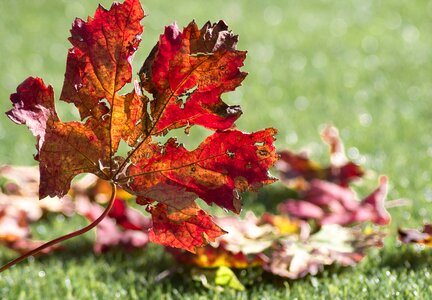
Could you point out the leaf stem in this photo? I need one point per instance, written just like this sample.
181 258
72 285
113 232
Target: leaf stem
66 236
397 203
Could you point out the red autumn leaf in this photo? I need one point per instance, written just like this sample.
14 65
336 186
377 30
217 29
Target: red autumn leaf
127 218
190 70
186 73
188 229
297 170
226 163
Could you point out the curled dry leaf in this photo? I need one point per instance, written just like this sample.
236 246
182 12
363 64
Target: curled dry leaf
423 237
297 170
185 74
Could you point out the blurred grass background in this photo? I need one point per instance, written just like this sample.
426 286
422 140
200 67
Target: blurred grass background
362 65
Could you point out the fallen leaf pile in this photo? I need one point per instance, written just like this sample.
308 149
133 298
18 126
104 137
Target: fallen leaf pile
20 206
324 192
326 224
282 246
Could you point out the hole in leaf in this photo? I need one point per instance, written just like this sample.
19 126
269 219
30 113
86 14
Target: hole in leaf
230 154
191 141
201 54
67 112
184 97
123 148
149 111
263 152
105 101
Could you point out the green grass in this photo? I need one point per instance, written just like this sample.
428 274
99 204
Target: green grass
363 65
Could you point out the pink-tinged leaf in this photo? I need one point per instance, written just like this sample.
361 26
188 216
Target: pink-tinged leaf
297 170
20 193
372 208
123 227
329 203
188 229
13 224
301 209
34 106
246 235
20 205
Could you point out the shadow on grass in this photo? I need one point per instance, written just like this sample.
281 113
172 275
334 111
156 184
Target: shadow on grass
407 257
254 280
139 270
79 252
